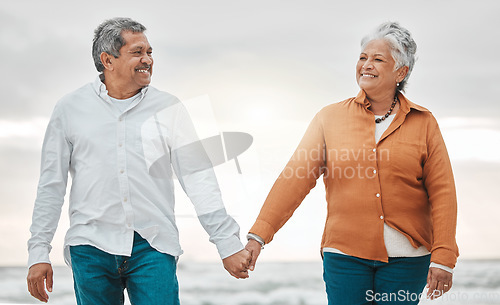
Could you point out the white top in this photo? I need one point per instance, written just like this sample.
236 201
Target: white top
122 104
122 180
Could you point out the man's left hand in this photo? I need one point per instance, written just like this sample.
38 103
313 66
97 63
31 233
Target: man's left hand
238 263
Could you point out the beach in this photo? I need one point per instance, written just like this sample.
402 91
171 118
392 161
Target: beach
285 283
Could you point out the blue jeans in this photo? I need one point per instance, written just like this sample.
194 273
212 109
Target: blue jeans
355 281
100 278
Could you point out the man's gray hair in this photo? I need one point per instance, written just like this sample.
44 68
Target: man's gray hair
403 47
108 38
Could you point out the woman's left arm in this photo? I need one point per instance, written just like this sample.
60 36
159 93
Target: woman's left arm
440 185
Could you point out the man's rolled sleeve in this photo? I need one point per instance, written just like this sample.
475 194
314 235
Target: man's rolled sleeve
39 254
229 246
224 232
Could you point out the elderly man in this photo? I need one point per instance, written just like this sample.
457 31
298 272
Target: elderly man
120 139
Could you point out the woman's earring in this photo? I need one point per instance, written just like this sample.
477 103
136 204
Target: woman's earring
397 84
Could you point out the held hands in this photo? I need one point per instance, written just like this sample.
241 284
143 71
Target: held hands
239 263
439 282
40 276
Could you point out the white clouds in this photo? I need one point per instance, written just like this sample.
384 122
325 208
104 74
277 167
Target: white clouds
465 122
23 129
25 135
472 139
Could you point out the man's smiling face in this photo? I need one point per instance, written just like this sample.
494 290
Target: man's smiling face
134 67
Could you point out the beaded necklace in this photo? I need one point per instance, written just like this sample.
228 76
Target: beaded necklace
378 120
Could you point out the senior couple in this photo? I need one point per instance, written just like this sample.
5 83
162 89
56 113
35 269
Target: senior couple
388 233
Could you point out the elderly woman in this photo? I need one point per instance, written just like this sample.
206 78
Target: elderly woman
392 207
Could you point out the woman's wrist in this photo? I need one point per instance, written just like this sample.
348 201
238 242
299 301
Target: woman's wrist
257 238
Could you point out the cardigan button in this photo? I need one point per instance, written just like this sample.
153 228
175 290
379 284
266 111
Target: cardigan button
378 195
381 217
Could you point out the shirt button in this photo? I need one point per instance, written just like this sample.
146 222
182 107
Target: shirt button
378 195
381 217
120 145
122 171
125 199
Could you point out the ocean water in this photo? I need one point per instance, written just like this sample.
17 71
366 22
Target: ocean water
300 283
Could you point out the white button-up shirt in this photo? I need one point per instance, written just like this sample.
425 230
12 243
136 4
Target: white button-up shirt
122 179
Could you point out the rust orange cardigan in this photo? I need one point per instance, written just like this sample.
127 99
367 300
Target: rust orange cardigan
404 180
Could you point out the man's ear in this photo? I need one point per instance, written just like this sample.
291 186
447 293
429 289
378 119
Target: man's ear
107 60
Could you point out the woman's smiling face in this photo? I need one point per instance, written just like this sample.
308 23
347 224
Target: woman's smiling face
375 71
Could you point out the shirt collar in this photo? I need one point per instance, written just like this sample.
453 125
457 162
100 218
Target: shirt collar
405 104
100 88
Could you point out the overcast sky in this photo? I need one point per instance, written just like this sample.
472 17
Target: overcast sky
267 68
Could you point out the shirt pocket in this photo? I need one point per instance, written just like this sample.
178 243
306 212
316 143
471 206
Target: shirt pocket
406 159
